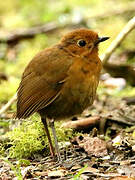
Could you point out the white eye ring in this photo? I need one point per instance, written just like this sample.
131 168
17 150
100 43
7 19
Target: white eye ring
81 43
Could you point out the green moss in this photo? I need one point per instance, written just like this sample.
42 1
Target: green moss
26 139
30 138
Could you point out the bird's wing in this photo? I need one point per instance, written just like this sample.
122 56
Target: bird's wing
42 81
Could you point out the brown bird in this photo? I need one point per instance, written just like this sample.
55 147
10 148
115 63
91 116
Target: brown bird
61 81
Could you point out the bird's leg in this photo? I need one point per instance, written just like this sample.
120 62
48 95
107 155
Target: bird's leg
48 136
55 139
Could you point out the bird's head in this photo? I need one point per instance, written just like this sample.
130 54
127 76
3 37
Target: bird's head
82 42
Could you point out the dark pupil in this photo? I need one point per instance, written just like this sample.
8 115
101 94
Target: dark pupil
82 43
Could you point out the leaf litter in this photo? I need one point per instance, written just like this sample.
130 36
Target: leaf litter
89 155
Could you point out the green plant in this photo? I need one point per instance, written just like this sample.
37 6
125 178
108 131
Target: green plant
30 138
77 176
15 168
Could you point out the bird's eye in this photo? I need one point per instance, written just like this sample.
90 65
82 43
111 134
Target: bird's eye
81 43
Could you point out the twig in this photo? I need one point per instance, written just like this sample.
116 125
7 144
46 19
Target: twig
6 106
121 36
82 123
28 33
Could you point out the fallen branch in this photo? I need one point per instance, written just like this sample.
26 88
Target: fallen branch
6 106
121 36
120 70
82 124
15 36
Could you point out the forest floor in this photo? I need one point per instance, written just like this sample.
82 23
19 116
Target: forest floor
105 148
105 152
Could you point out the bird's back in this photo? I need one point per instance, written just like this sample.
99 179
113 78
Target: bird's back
41 80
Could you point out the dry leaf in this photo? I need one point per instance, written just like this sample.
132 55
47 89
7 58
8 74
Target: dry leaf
55 173
92 145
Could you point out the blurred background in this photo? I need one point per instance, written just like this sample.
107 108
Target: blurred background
28 26
54 18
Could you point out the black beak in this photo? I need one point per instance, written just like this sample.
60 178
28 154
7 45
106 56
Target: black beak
101 39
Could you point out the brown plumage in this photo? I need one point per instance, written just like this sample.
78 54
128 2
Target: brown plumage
61 81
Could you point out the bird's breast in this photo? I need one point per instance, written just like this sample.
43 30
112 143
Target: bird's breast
77 93
81 84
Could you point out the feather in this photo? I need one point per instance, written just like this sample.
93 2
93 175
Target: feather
41 82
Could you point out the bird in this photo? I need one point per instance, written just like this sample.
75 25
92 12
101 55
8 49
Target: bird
61 81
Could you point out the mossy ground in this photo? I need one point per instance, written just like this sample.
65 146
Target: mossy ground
29 138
